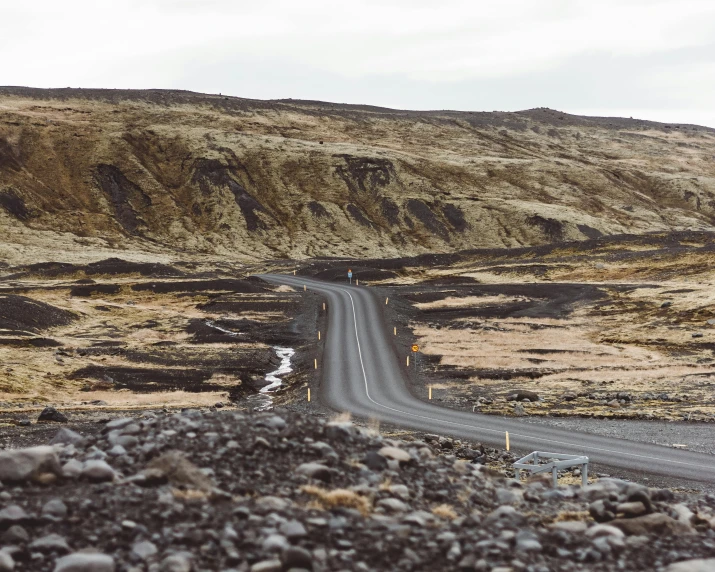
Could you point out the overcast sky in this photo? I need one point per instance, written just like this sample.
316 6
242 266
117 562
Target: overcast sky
650 59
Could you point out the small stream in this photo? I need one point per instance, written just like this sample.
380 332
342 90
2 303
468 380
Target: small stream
263 401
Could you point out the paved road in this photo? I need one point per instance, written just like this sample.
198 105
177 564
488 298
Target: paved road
362 374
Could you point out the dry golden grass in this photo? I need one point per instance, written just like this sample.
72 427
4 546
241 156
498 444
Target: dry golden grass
329 499
445 511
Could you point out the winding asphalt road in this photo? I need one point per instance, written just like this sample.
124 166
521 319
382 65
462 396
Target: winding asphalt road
362 374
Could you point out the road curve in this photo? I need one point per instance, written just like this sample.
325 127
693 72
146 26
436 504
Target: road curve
362 374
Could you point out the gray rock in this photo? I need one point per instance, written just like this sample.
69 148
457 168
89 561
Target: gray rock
144 550
698 565
85 562
631 509
72 469
528 545
13 514
271 503
393 505
267 566
176 563
395 454
505 514
274 543
50 543
523 394
51 414
7 564
98 470
54 509
339 430
315 471
66 436
604 530
15 535
118 423
293 530
519 410
574 526
117 451
374 461
273 422
296 557
400 491
23 464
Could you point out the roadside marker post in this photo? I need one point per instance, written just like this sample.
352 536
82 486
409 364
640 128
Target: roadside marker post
316 363
357 282
386 300
293 272
507 440
395 330
318 335
305 288
430 392
309 394
408 361
323 306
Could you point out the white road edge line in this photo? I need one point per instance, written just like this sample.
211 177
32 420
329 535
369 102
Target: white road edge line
585 448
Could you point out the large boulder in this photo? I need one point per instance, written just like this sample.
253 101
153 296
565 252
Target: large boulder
23 464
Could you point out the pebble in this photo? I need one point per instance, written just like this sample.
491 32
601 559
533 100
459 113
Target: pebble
54 509
7 563
698 565
98 470
293 530
16 534
395 454
50 543
274 565
66 436
296 557
176 563
315 471
144 550
85 562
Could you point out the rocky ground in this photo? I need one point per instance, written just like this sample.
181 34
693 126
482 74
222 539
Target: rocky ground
280 491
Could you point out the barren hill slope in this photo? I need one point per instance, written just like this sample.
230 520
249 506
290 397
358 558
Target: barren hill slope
172 173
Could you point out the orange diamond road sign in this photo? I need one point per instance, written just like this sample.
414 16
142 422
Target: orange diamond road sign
415 348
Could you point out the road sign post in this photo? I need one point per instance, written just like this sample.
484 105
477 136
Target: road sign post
415 349
350 275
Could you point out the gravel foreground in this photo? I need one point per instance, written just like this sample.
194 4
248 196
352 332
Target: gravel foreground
280 491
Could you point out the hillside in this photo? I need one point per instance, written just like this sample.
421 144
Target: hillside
157 174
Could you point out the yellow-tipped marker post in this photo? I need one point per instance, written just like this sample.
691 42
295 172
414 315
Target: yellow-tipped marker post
309 394
394 330
430 392
507 440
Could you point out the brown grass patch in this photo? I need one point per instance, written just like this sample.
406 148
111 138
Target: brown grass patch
328 499
445 511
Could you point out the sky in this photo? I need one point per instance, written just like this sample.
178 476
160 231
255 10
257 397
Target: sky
650 59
